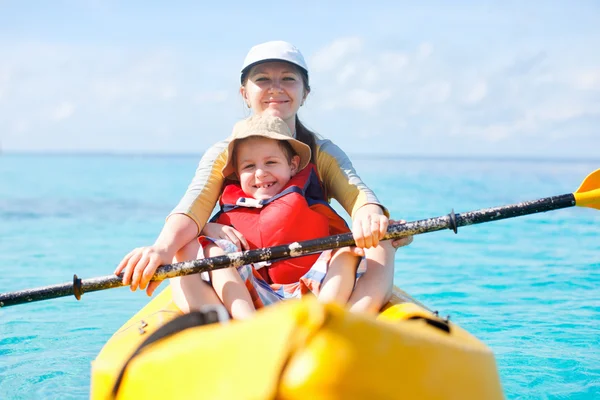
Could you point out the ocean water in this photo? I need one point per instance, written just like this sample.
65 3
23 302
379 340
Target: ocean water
528 287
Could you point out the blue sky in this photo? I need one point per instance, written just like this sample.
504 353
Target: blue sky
501 78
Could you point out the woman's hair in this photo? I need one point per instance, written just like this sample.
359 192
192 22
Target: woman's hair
307 137
303 134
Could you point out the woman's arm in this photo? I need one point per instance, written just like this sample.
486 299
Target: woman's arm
369 217
341 180
204 190
182 225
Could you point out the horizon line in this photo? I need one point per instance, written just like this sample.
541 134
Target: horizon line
413 156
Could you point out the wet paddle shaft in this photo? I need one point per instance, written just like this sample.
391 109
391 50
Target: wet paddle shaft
588 195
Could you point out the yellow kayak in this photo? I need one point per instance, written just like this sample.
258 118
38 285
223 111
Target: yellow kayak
296 350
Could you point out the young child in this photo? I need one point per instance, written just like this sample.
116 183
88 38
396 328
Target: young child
274 197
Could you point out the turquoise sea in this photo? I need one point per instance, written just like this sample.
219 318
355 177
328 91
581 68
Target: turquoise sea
528 287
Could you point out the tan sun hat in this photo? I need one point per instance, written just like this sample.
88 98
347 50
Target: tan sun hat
268 127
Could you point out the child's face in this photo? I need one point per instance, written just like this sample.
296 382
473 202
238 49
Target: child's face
263 167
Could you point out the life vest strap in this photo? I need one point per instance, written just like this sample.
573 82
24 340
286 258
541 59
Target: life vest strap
251 202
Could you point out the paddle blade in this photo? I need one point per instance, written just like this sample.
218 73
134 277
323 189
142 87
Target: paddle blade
588 194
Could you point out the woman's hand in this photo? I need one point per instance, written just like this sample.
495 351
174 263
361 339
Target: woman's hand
220 231
369 225
139 266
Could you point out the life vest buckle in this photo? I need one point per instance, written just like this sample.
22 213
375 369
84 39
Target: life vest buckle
261 264
249 202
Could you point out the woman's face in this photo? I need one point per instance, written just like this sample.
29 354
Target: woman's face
275 88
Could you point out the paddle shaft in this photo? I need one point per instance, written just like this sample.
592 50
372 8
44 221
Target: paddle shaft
396 231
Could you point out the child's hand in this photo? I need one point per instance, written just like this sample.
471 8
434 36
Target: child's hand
219 231
140 265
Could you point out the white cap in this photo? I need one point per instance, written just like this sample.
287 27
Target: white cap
276 50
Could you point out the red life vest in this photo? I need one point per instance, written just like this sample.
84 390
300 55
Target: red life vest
299 212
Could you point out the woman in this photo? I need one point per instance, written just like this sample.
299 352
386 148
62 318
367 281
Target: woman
274 81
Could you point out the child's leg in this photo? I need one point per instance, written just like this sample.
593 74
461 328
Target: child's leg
340 278
190 292
230 288
374 288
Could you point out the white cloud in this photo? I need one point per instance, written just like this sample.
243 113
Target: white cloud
347 73
96 73
145 78
4 80
390 65
425 50
365 100
393 61
360 99
353 78
495 133
371 75
108 90
477 93
588 79
21 126
544 78
168 92
558 112
329 57
362 78
466 100
441 88
215 96
435 92
63 111
538 119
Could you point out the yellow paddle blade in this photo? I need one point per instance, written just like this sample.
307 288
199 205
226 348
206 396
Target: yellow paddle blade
588 194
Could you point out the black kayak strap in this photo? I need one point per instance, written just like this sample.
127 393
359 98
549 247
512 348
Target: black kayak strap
181 323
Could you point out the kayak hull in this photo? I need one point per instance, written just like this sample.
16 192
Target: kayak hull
299 350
